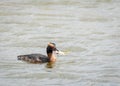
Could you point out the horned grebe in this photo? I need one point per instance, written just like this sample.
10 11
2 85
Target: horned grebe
39 58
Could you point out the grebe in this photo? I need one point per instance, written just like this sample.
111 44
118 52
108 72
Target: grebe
39 58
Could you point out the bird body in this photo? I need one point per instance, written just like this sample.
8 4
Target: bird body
39 58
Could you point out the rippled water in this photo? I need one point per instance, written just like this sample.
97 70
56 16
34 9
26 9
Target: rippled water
87 30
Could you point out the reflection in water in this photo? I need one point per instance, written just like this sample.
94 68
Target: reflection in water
88 31
50 64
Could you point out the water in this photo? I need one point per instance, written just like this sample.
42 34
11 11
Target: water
88 31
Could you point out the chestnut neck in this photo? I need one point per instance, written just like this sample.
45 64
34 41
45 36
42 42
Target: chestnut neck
49 55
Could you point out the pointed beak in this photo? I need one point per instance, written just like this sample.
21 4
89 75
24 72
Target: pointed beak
59 52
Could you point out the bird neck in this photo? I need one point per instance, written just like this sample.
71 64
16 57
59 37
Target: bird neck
51 56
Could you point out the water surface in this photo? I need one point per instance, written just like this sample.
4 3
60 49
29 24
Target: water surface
87 30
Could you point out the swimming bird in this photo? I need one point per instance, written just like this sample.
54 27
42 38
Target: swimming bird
39 58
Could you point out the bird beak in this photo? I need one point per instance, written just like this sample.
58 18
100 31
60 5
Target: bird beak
59 52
